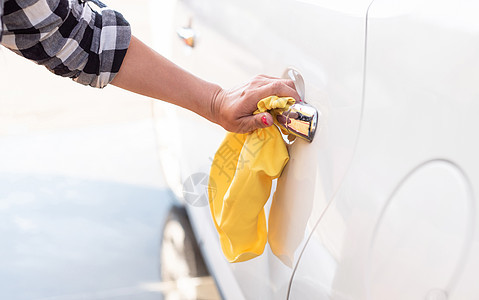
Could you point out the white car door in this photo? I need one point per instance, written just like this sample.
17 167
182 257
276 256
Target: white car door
234 40
403 224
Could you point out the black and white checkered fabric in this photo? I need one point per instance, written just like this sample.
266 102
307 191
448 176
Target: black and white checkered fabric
67 36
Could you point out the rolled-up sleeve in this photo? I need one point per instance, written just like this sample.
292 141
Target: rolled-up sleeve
68 37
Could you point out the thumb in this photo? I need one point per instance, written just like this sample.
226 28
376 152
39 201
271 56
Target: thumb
258 121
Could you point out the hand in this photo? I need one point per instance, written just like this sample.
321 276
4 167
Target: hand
233 109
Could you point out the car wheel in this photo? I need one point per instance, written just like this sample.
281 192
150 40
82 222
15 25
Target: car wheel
181 262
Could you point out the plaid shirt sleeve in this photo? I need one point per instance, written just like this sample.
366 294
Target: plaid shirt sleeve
68 37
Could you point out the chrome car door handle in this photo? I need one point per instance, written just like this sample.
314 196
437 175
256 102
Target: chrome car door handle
187 35
300 120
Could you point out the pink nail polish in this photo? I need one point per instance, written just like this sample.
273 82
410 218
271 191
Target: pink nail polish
265 122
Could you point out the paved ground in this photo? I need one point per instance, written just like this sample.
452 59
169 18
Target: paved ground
82 199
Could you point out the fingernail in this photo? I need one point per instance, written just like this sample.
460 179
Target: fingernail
265 122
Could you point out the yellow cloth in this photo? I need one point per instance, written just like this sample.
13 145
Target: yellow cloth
240 184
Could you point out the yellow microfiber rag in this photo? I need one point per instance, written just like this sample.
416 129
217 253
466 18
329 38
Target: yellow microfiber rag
240 181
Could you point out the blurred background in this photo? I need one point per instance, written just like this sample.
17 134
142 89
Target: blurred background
82 198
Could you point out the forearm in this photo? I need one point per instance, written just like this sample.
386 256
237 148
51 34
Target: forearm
146 72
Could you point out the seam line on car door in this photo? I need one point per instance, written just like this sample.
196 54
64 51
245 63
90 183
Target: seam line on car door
363 95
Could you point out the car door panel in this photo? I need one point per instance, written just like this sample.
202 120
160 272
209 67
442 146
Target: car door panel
402 226
324 41
326 45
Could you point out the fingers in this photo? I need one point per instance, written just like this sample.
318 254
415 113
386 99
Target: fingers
239 104
275 88
288 82
257 121
261 87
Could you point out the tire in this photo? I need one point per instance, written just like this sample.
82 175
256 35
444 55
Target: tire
180 257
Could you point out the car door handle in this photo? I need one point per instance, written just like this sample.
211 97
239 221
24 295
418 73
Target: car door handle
301 119
187 34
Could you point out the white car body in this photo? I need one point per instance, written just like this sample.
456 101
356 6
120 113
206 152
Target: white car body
381 205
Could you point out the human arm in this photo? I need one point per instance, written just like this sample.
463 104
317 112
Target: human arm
148 73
